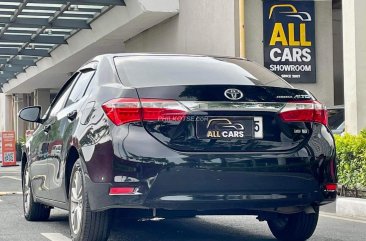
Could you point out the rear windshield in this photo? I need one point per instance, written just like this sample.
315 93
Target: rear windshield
150 71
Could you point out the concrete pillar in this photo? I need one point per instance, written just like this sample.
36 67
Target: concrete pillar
2 111
42 98
20 101
354 51
6 113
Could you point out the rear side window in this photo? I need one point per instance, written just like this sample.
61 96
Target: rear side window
159 70
80 87
59 101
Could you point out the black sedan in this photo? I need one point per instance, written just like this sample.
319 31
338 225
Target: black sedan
179 135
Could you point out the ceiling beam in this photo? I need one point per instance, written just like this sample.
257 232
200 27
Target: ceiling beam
70 23
42 39
37 22
31 52
47 7
75 14
10 45
52 8
22 62
4 75
71 14
79 2
6 13
13 8
13 68
35 52
34 31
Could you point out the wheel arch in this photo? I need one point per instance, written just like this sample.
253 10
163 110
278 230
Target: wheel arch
71 157
24 160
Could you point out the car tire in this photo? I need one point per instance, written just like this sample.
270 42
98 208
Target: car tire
294 227
33 211
85 225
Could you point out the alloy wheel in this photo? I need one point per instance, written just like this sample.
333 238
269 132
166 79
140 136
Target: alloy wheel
26 190
76 207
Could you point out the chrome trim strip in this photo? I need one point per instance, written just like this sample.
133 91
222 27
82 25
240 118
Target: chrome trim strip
233 106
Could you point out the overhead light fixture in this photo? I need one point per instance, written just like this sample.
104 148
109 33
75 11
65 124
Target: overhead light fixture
1 72
9 65
49 32
20 57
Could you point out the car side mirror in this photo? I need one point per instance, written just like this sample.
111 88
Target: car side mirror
31 114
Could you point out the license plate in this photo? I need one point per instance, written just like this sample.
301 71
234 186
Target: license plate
229 128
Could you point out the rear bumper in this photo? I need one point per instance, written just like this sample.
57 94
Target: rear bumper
187 188
207 190
172 180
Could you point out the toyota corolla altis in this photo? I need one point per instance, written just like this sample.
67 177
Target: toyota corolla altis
177 136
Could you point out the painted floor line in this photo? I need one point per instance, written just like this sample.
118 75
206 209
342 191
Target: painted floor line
322 214
55 237
10 177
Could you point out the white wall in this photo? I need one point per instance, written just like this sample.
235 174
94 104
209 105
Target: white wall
7 113
324 88
354 50
2 112
253 26
202 27
208 27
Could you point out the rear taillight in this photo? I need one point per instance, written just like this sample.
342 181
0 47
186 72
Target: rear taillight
121 111
126 110
307 111
331 187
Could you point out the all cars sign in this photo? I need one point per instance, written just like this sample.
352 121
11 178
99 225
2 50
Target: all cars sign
289 39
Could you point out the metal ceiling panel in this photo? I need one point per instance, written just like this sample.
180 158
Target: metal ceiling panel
31 29
23 38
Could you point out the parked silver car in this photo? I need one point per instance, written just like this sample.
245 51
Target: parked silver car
336 119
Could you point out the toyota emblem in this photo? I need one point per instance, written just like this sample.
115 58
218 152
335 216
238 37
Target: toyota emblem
233 94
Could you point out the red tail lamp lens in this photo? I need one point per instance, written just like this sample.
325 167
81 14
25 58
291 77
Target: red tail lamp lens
126 110
331 187
307 111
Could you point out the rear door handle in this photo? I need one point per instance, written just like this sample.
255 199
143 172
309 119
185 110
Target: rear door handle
46 128
72 115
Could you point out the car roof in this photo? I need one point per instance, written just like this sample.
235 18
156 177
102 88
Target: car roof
163 54
111 56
